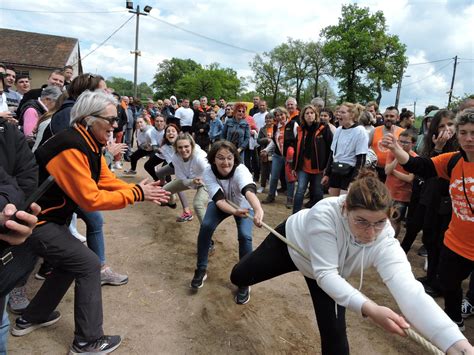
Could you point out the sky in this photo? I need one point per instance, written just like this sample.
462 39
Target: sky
233 32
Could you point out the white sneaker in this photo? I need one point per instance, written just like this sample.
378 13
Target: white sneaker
425 267
260 190
74 231
118 165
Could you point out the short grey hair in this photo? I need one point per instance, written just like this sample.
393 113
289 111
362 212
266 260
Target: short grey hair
317 101
51 92
91 103
196 102
290 99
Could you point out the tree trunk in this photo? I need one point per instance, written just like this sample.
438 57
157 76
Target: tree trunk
379 93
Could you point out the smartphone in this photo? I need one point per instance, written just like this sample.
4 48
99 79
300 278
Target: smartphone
25 206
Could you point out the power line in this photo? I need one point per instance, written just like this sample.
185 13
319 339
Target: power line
466 59
203 36
433 61
103 42
426 77
63 12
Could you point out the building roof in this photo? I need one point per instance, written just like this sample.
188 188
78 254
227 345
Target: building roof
35 49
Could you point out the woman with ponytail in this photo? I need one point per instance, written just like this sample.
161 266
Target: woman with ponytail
345 235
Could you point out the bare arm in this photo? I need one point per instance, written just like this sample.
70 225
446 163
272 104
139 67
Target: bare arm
390 167
403 177
390 142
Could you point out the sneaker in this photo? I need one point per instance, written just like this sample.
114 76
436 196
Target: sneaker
185 217
118 165
466 309
243 295
425 266
130 172
23 327
200 275
17 302
461 325
44 271
110 277
260 190
269 199
104 345
289 203
422 251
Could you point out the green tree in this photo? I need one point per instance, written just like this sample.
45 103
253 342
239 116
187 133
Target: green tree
211 81
120 85
169 73
361 54
268 75
297 67
319 65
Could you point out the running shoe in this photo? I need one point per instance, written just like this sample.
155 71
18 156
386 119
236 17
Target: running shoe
17 300
44 271
130 172
104 345
467 309
243 295
185 217
200 275
23 327
110 277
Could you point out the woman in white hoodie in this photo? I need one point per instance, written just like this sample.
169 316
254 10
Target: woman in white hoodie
343 236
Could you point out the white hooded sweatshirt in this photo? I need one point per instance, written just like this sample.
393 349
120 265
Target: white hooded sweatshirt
323 232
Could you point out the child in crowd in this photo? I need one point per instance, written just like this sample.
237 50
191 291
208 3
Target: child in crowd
215 127
399 182
201 132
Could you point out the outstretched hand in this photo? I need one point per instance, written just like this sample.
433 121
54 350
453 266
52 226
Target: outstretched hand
385 317
389 141
153 192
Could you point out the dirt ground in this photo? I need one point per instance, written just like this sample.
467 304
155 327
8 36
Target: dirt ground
156 313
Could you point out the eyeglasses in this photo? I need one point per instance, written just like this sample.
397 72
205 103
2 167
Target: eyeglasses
111 119
404 142
362 223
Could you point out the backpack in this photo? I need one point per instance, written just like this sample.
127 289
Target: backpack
452 162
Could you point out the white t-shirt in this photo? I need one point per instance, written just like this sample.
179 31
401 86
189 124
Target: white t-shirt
147 138
347 143
166 153
157 136
323 233
231 187
259 119
191 169
3 103
185 116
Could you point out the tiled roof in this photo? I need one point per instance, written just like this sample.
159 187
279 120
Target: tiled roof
35 49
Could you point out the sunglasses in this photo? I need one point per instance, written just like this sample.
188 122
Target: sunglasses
111 120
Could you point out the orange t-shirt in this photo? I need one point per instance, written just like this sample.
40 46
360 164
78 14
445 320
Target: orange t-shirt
460 234
399 189
377 147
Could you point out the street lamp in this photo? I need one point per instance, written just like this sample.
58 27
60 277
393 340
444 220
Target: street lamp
399 88
136 52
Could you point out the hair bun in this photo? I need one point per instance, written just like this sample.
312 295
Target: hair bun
367 173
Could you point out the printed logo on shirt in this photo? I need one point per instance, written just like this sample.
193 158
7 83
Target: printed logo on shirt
460 205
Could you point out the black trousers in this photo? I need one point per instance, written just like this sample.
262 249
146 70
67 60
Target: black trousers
151 164
72 261
139 153
272 259
453 270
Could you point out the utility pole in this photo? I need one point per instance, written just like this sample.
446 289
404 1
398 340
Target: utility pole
452 80
325 96
414 108
136 52
399 88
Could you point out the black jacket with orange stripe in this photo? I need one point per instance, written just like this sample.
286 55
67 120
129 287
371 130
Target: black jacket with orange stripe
74 158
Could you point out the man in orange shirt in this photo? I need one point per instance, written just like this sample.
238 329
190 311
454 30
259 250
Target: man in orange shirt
292 108
375 138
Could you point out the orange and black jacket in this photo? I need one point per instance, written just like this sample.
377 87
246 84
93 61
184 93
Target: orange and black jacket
319 137
74 158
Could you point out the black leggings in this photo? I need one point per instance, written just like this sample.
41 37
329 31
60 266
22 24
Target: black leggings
150 165
139 153
272 259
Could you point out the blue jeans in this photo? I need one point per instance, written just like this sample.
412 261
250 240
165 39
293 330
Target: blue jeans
4 325
278 164
316 190
213 217
94 232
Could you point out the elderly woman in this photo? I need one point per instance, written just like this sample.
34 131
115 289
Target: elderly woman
237 130
83 179
32 110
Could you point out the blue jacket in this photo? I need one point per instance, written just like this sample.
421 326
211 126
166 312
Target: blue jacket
215 130
237 132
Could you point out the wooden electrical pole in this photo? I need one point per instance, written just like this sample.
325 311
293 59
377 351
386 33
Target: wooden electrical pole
452 80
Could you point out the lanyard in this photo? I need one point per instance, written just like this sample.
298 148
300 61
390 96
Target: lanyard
464 190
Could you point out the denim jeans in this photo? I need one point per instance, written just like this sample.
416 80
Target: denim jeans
213 217
94 232
278 164
4 325
316 190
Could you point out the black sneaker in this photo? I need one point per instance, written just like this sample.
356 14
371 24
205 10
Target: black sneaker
23 327
460 325
422 251
44 271
200 275
243 295
104 345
